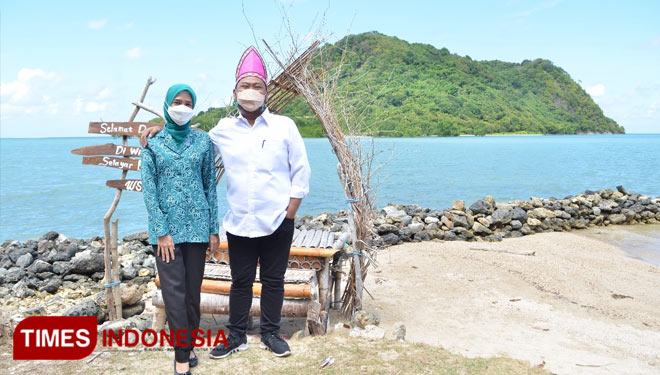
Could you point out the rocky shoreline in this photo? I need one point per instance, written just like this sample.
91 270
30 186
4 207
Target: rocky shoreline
56 275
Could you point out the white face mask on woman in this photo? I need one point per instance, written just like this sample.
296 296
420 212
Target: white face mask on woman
180 114
250 99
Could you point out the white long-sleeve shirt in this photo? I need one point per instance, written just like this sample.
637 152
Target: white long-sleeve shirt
265 165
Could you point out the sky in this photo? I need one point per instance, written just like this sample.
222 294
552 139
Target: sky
66 63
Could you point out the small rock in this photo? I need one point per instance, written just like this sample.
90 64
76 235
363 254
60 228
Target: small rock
459 205
372 332
398 332
481 229
362 318
617 218
51 236
132 310
130 294
416 227
52 285
87 262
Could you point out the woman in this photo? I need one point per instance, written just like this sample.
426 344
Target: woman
178 182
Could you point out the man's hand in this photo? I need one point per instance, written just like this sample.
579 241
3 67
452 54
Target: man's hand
165 248
292 208
214 241
149 133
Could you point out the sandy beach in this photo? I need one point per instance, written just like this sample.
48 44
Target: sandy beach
578 305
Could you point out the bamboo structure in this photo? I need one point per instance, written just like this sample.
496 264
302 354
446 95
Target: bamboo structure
318 88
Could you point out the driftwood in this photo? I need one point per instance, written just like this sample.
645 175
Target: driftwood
515 252
112 278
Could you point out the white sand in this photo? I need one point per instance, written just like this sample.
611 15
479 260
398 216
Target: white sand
555 307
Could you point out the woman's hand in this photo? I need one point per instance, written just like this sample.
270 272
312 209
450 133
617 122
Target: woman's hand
165 248
214 241
148 133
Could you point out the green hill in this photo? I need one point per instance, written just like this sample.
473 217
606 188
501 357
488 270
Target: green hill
420 90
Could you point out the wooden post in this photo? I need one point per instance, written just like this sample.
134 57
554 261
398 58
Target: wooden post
113 293
116 277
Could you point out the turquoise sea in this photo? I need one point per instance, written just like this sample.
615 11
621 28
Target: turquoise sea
44 187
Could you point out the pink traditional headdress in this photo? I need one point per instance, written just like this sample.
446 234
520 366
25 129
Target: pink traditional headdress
251 65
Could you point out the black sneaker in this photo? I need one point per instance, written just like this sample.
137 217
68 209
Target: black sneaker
235 344
273 342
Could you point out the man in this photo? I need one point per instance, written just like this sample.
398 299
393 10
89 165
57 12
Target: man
267 175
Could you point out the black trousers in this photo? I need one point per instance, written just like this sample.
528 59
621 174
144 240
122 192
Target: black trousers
272 254
181 283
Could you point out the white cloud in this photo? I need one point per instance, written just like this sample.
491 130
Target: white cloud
597 90
96 24
126 26
104 93
653 109
82 105
203 76
655 42
29 93
134 53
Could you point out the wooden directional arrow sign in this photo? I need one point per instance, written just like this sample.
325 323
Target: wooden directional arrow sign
108 149
120 128
130 185
119 163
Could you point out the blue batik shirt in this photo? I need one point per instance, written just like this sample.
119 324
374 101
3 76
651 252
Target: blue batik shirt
178 184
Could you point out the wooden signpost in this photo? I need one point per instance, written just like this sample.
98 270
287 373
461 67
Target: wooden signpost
126 158
108 149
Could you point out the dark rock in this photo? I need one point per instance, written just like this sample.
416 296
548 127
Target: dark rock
40 266
132 310
14 274
21 290
387 228
128 273
50 236
87 262
390 239
622 190
481 207
52 285
458 220
502 216
5 262
86 307
142 237
96 276
24 260
449 236
405 234
45 275
62 268
422 236
515 224
17 253
519 214
75 278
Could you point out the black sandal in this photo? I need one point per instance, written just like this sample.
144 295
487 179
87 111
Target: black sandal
192 362
180 373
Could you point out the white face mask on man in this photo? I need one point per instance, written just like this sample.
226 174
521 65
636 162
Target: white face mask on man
180 114
250 99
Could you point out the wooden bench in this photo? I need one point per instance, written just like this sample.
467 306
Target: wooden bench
308 281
